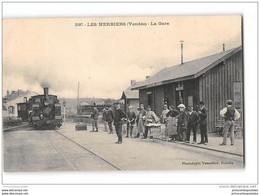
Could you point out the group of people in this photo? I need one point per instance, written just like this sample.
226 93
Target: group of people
179 122
117 117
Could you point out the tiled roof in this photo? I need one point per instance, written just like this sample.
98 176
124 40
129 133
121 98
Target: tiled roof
187 70
14 95
134 94
131 94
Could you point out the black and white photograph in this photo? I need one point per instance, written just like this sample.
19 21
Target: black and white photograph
129 97
123 93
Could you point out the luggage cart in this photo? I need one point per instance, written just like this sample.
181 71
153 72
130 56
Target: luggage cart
154 131
81 126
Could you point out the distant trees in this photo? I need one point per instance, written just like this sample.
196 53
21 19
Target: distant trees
109 101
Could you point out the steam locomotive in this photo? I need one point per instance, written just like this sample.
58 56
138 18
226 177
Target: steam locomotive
42 111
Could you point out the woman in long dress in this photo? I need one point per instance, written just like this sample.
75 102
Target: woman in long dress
172 123
140 120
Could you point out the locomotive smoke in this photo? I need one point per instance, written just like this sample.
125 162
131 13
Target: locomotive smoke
45 84
38 77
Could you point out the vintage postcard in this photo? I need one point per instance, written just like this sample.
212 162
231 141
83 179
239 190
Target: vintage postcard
123 93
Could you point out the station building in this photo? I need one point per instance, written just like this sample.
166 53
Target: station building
212 79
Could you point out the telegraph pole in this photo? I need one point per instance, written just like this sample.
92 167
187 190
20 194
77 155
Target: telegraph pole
64 110
181 51
78 100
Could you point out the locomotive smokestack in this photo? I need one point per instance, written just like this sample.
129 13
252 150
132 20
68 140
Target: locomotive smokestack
46 95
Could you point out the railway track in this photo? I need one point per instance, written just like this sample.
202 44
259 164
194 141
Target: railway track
82 147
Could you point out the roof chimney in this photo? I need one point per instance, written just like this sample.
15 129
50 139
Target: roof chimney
147 77
133 82
224 47
181 51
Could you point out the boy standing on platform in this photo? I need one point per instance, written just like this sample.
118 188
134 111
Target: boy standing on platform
130 120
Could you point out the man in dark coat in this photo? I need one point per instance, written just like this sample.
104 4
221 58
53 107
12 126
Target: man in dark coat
94 116
203 123
118 122
109 118
182 123
193 119
104 118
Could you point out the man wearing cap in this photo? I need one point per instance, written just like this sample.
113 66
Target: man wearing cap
193 118
130 120
182 123
104 113
164 118
109 118
118 122
94 116
230 114
140 120
163 115
203 123
150 117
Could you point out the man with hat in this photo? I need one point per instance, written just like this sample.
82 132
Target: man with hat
163 116
150 117
94 116
104 113
130 120
182 123
203 123
230 114
118 122
193 118
109 118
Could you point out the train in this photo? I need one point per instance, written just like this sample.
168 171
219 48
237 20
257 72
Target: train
42 111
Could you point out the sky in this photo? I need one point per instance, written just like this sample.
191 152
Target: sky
54 53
